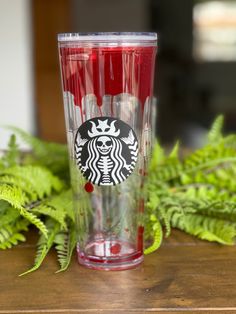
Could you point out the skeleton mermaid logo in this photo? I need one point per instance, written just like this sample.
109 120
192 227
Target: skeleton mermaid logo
106 150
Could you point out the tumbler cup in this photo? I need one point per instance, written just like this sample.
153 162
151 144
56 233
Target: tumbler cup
107 82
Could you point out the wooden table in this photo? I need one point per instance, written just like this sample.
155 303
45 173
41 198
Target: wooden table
185 275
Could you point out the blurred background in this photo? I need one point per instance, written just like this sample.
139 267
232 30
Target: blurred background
195 71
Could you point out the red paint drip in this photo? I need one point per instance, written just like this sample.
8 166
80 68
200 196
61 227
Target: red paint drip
107 71
141 205
115 249
140 238
88 187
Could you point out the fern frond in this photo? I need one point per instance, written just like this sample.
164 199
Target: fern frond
5 233
224 210
156 234
215 133
174 154
44 244
12 155
168 171
8 214
230 141
165 218
55 214
13 195
206 228
41 180
24 185
168 207
54 156
11 234
209 157
164 168
65 244
158 156
14 239
63 202
58 207
35 221
215 184
17 199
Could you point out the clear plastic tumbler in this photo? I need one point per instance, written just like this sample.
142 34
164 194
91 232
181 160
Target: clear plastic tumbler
107 82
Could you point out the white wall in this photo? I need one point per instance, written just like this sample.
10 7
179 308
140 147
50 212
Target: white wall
16 86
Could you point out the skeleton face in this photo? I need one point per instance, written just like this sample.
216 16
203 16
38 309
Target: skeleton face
104 145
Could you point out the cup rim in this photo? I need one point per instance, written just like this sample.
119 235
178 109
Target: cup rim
108 37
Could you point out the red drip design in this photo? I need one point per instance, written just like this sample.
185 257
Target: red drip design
88 187
107 71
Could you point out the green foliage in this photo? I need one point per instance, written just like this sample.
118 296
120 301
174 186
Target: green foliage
39 180
195 193
206 228
8 214
11 226
65 244
215 133
158 156
53 156
23 186
11 234
12 155
156 233
59 207
32 194
44 244
13 195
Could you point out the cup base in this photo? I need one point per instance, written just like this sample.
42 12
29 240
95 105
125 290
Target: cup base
109 255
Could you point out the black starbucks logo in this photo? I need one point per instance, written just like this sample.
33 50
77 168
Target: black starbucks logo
106 150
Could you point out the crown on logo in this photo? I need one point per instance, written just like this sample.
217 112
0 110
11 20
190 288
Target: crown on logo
103 129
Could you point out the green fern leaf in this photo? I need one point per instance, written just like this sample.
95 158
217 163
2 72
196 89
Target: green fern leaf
225 210
206 228
65 244
12 240
17 199
41 180
174 154
8 214
24 185
53 156
10 234
230 141
157 235
35 221
168 171
58 207
63 203
13 195
158 156
215 133
12 155
55 214
165 218
209 157
44 245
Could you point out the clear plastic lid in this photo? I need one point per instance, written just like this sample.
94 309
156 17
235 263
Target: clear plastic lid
109 38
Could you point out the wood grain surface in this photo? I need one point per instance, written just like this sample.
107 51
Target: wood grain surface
185 275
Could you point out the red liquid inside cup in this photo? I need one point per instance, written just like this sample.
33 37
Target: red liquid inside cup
108 71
